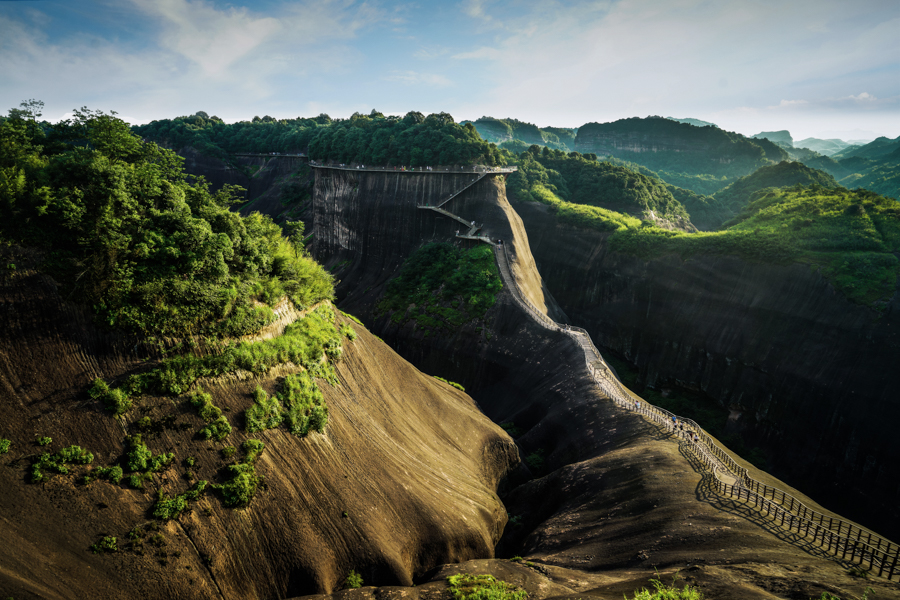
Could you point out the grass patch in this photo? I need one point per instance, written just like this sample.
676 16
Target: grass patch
115 400
242 482
4 445
106 544
483 587
305 408
450 383
167 508
56 463
354 580
312 342
441 286
661 591
265 412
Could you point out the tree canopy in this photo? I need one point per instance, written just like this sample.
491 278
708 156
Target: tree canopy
124 231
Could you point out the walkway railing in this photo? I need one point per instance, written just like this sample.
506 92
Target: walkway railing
416 170
844 540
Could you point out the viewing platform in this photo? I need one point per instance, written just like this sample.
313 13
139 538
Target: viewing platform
270 155
417 170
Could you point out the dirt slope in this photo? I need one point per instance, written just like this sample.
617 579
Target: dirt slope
403 479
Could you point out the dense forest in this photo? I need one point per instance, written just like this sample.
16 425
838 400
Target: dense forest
413 140
702 159
550 175
516 136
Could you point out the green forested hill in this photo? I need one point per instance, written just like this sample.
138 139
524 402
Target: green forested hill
575 183
729 201
374 138
117 223
701 159
516 136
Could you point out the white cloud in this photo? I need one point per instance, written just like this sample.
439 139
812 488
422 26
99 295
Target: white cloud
213 39
416 78
483 53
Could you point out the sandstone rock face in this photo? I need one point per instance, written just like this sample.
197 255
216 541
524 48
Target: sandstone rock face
403 479
808 376
368 223
614 495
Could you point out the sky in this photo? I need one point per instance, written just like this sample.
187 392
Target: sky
818 68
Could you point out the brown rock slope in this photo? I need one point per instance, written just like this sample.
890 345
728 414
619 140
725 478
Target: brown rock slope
615 496
402 480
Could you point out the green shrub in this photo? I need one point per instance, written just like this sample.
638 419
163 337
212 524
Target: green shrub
218 430
265 412
348 332
483 587
113 474
4 445
536 460
107 544
115 400
241 485
354 580
252 448
446 286
510 428
304 404
137 454
167 508
450 383
205 408
44 441
56 463
227 452
662 591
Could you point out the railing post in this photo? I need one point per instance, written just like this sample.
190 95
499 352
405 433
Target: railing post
890 574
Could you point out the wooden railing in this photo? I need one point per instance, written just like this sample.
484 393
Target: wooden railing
841 539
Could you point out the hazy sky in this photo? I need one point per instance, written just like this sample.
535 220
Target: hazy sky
824 68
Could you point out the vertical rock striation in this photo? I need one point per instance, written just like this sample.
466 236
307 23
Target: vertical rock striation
809 376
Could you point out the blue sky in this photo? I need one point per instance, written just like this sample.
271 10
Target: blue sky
823 68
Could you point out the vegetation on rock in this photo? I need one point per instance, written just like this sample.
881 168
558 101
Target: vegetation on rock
414 139
124 231
443 286
483 587
582 180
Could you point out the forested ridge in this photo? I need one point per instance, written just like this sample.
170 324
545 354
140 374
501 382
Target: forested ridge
119 225
411 140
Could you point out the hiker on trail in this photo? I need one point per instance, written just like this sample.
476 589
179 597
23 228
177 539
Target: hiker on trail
674 423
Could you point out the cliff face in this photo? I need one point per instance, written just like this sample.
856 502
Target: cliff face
264 186
614 494
402 480
807 375
366 224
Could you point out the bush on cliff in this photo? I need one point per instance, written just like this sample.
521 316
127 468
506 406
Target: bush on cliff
125 232
443 286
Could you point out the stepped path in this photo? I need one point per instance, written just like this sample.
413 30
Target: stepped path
846 541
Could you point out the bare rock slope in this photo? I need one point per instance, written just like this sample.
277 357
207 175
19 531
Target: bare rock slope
402 480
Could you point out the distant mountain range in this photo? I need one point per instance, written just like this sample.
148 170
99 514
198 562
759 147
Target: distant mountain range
695 122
